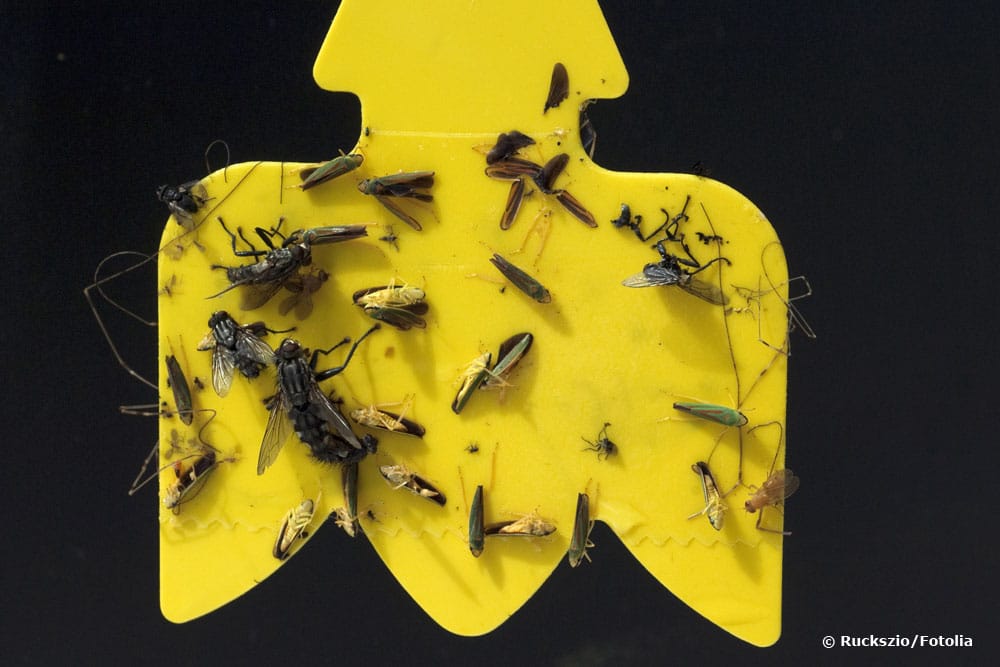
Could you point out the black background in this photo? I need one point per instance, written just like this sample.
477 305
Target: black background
868 135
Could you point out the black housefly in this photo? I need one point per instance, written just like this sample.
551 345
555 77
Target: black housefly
183 201
235 347
263 279
670 270
299 403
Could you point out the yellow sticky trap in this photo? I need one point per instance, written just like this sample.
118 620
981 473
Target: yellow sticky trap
447 79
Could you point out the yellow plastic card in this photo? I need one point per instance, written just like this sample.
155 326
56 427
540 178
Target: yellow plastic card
449 77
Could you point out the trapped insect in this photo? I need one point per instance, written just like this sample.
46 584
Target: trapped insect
179 386
582 525
302 287
338 166
472 377
588 135
477 536
780 484
278 264
235 347
300 404
374 417
401 307
293 528
604 446
349 484
183 201
507 145
530 525
670 270
401 477
558 87
521 279
626 221
406 184
714 508
511 352
719 414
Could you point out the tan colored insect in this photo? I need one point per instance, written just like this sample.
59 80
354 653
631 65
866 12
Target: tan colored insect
401 477
772 493
714 508
344 520
293 528
530 525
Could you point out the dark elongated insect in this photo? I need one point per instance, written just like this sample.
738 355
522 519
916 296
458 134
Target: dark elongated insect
604 447
338 166
236 347
263 279
510 354
544 177
516 170
582 525
179 386
671 270
508 143
477 536
300 404
183 201
293 528
588 135
402 307
558 87
406 184
521 280
400 477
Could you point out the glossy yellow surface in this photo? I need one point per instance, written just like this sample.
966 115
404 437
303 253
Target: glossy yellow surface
448 78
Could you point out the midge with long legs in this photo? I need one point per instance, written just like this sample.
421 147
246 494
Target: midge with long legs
299 403
279 264
779 485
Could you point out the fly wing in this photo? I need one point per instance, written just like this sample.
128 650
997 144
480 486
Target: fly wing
223 367
791 482
254 347
652 275
278 428
323 408
255 295
703 290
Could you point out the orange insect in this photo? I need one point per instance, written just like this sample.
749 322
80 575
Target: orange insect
778 486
